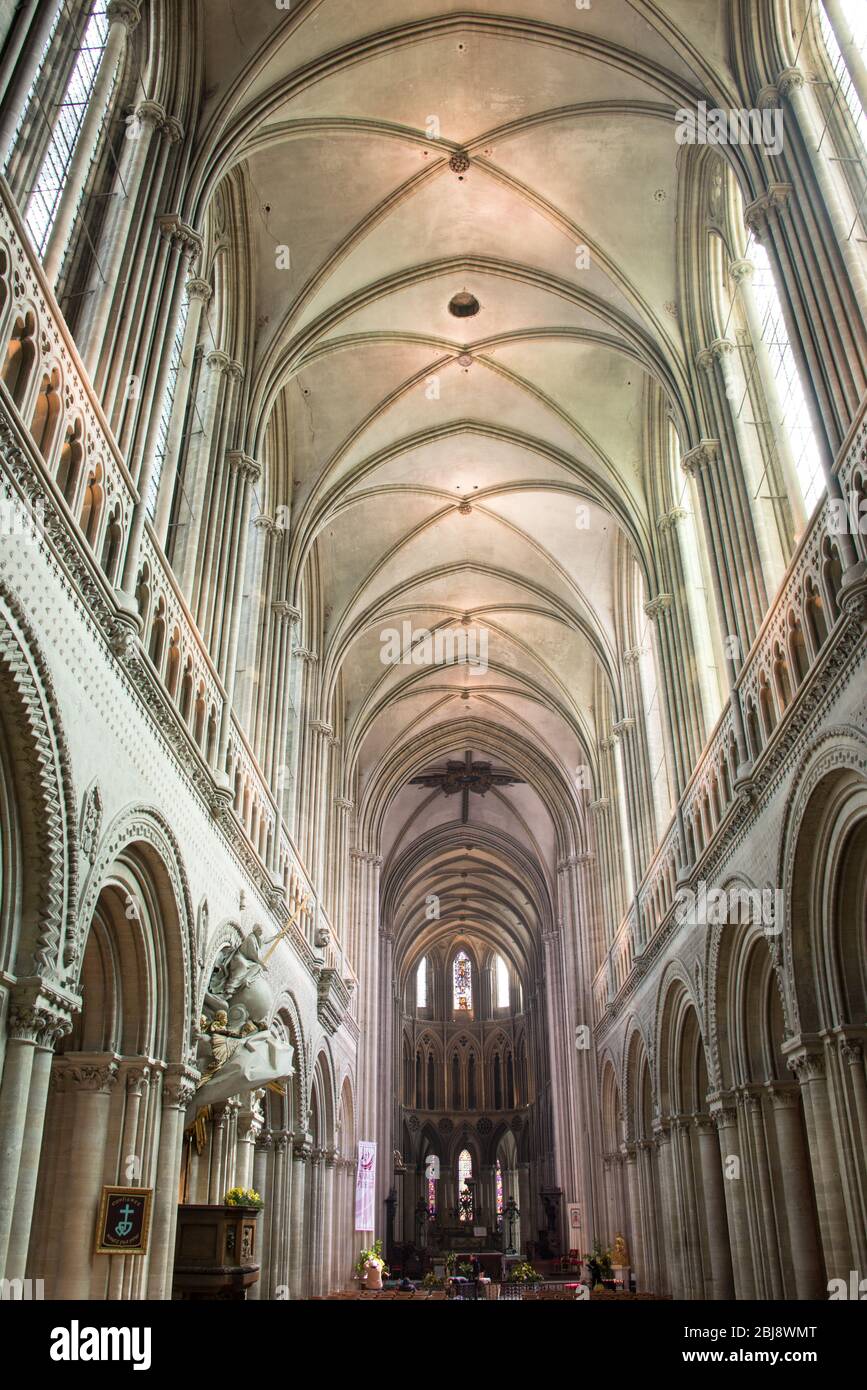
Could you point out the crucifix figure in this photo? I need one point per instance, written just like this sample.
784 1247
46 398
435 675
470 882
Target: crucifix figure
465 777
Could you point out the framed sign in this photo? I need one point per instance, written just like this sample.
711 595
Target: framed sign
124 1220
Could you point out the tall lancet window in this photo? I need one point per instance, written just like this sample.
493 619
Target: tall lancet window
465 1192
51 178
421 984
463 983
499 1183
796 419
502 984
854 33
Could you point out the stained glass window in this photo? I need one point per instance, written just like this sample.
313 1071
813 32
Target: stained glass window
465 1193
499 1181
463 982
502 984
432 1196
421 984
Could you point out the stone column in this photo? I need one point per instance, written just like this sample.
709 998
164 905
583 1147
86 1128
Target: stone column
179 1086
852 57
147 117
261 1163
842 214
280 1179
219 1121
250 1123
90 1079
301 1151
32 1033
769 1271
725 1116
136 1077
636 1242
198 294
186 243
806 1260
123 16
720 1283
672 1239
809 1067
197 474
328 1221
249 472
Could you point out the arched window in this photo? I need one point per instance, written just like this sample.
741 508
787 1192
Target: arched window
502 984
463 983
421 984
465 1191
499 1183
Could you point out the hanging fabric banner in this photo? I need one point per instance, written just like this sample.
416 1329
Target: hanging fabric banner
365 1182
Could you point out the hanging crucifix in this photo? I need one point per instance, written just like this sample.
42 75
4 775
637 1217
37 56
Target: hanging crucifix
465 777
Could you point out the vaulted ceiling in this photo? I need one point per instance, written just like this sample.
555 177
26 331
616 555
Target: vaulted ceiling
522 152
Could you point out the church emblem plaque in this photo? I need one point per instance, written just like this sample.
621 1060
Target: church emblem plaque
124 1220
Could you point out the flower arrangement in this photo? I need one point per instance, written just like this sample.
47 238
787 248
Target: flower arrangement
430 1281
373 1256
524 1273
243 1197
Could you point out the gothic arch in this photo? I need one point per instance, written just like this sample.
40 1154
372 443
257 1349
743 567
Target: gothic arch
140 837
40 853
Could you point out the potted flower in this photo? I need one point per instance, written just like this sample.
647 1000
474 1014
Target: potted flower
243 1197
524 1273
370 1267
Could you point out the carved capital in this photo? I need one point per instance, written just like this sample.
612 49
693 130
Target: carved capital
197 288
790 80
239 462
742 270
757 213
182 235
179 1086
150 113
807 1066
658 605
125 12
702 456
669 520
